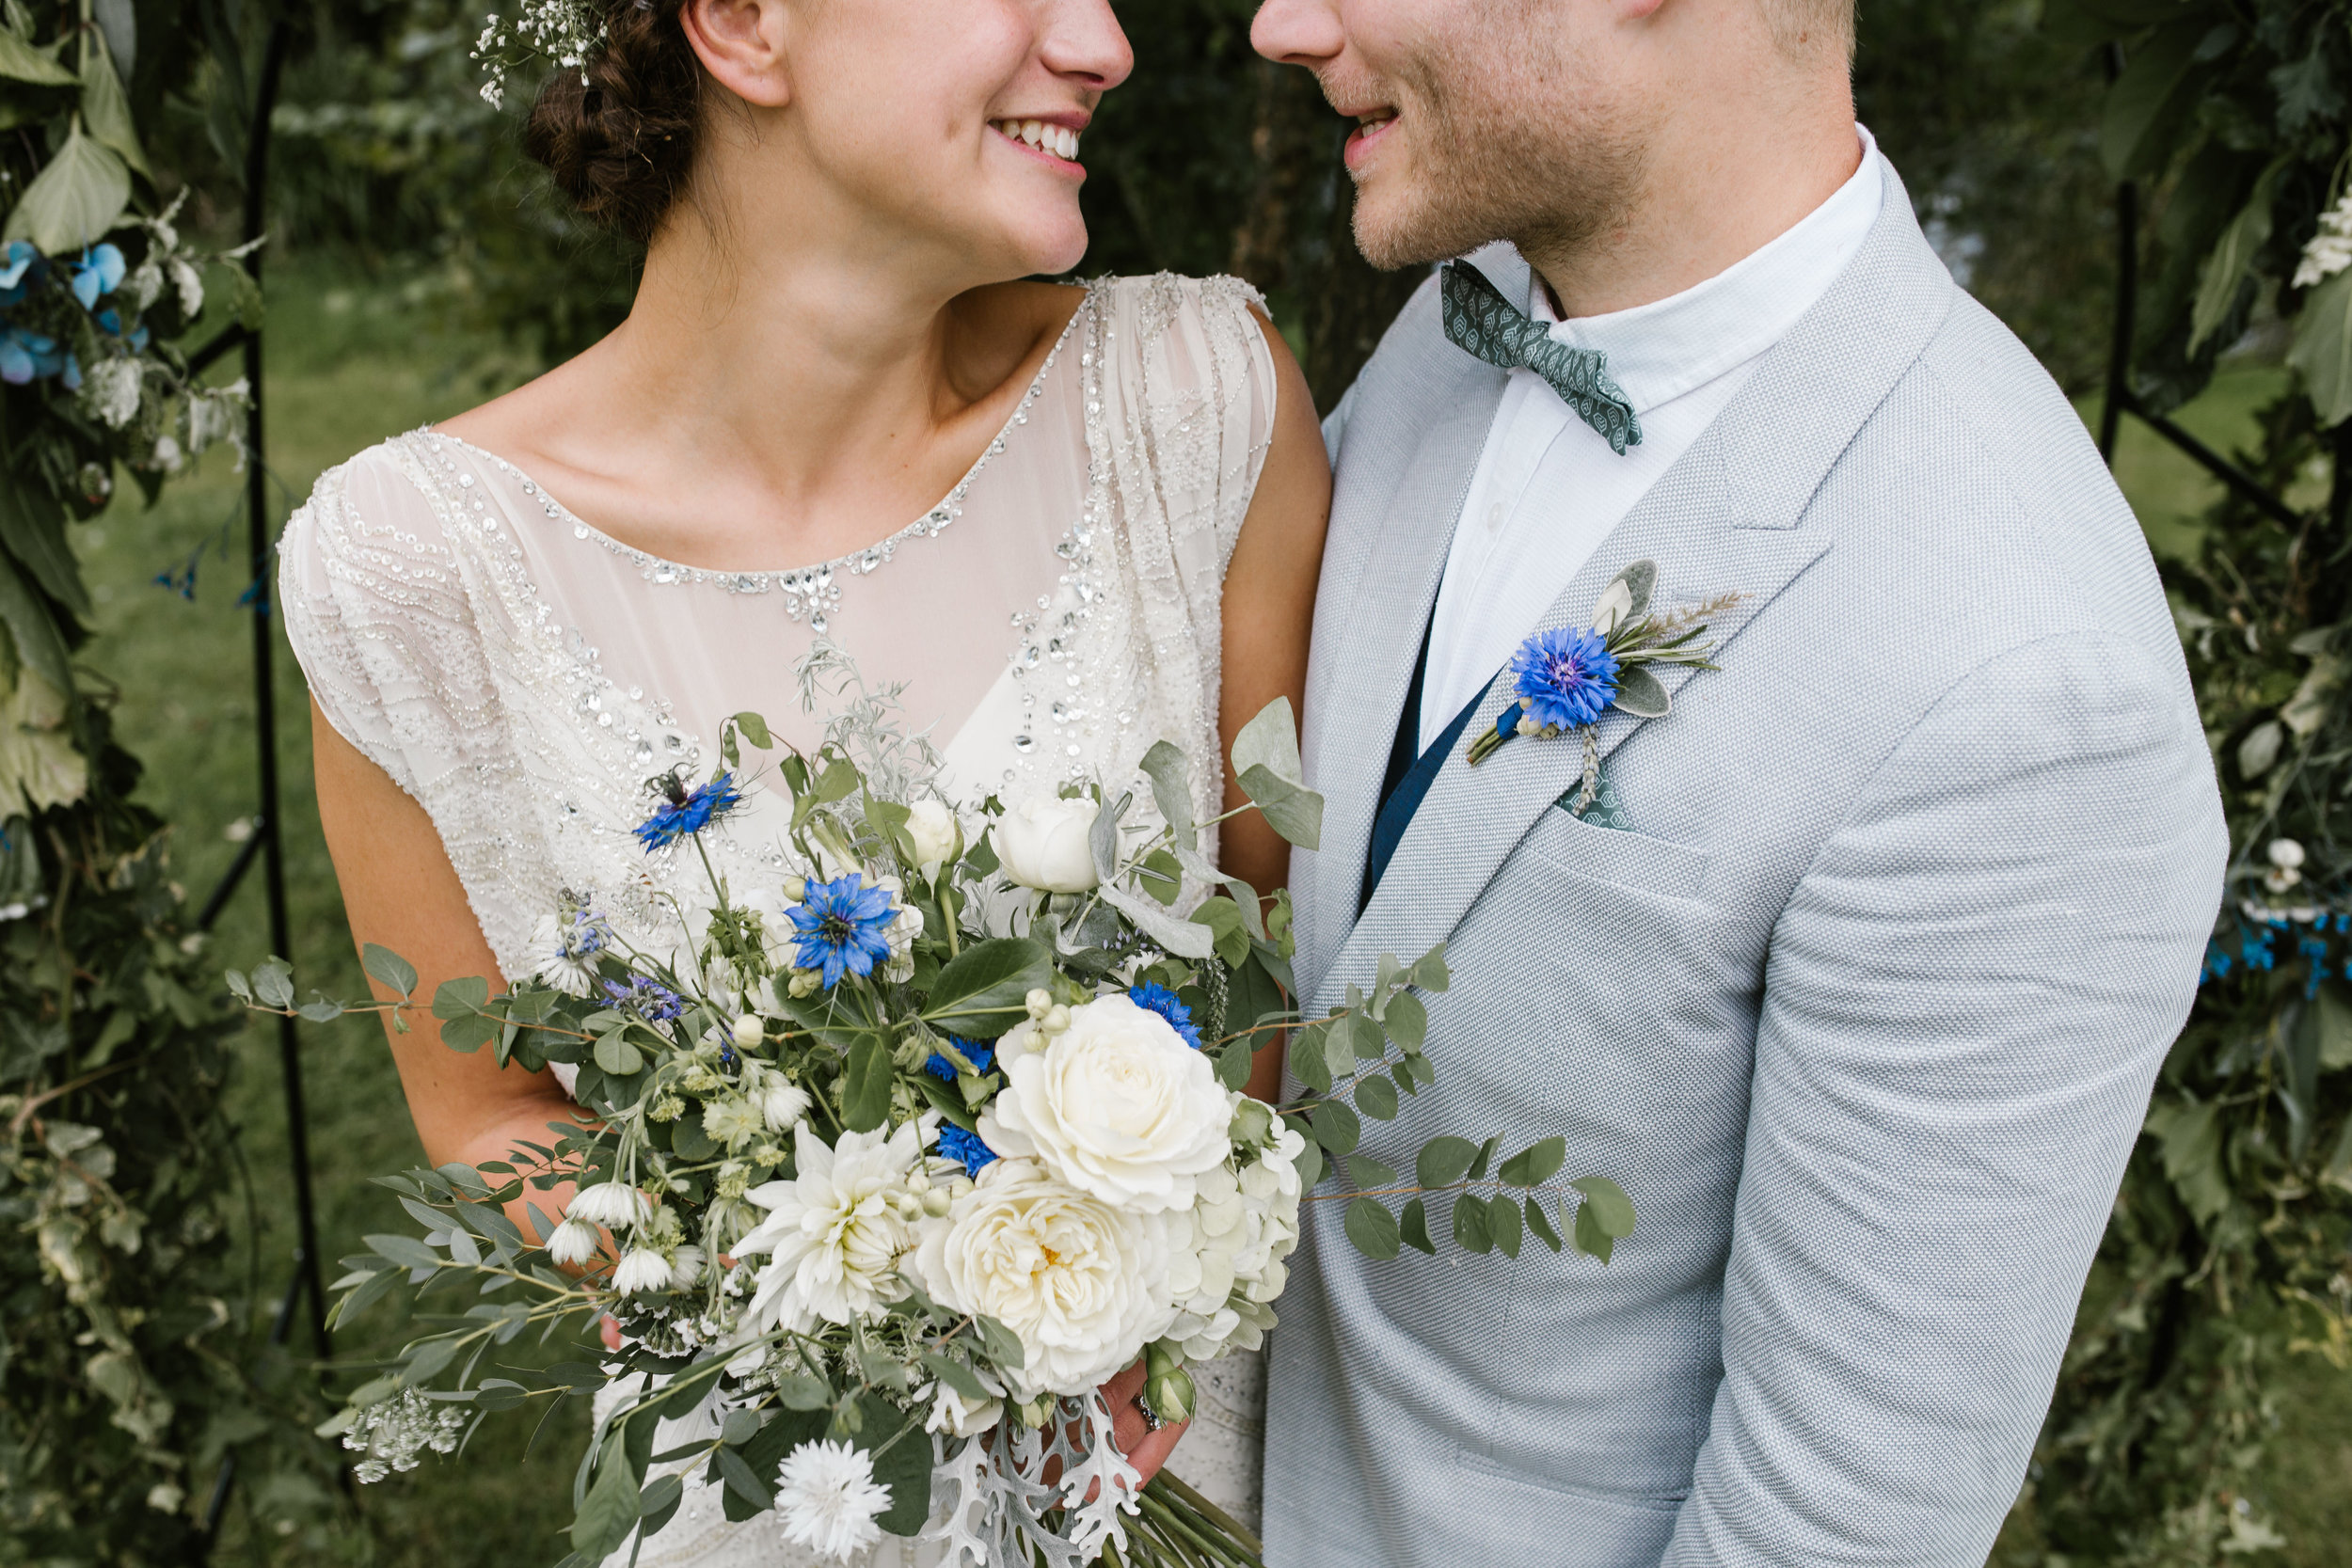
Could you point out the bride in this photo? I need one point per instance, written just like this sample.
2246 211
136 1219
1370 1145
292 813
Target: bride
1070 521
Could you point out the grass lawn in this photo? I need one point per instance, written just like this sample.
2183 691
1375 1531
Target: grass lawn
350 362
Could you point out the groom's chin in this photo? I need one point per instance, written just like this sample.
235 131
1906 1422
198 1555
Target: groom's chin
1399 224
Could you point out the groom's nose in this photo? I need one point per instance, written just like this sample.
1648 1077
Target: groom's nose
1299 32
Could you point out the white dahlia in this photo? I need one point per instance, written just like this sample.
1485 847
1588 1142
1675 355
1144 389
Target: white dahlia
834 1233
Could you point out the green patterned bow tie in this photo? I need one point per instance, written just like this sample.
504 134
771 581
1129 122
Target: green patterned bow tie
1480 321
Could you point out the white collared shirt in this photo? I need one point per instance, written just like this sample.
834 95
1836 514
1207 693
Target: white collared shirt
1547 489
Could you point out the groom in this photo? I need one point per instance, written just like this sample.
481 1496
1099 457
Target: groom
1857 972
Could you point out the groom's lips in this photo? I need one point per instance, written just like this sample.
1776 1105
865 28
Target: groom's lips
1373 125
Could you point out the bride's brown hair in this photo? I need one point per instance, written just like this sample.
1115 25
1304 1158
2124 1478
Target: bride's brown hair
618 133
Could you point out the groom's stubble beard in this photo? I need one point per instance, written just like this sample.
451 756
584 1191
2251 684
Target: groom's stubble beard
1512 141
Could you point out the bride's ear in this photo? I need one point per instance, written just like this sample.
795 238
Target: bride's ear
742 44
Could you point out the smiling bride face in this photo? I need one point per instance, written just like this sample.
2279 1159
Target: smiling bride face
940 132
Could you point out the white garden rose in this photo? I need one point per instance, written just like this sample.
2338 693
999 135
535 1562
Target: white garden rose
932 827
834 1233
1043 843
1083 1284
1117 1104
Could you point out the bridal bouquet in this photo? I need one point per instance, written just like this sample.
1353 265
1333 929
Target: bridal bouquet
896 1159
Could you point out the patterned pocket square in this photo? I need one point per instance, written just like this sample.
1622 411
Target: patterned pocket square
1606 810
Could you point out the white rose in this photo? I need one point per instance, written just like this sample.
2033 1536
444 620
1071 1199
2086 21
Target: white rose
1083 1284
932 829
1043 844
833 1233
1116 1104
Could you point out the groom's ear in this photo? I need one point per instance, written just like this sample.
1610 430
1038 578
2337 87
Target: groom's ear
742 44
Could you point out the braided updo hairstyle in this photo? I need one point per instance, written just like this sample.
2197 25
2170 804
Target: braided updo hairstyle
618 133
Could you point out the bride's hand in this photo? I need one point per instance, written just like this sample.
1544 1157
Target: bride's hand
1145 1449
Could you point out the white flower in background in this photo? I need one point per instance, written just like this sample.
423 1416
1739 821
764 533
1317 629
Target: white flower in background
642 1269
828 1499
932 827
1083 1284
391 1434
613 1204
733 1120
145 284
190 283
833 1234
906 925
110 390
782 1102
564 947
38 762
1043 844
1226 1254
573 1243
2286 865
167 455
2329 250
1116 1104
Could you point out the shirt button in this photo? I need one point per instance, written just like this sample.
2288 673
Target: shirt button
1494 515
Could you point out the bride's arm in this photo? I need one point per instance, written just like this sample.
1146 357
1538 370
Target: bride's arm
1269 608
400 891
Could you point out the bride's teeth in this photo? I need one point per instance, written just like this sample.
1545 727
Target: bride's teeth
1057 141
1031 131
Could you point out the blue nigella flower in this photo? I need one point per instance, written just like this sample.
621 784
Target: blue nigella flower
649 999
99 272
1160 999
1567 677
956 1144
982 1057
841 926
685 814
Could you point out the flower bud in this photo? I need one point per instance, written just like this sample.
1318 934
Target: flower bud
1167 1390
748 1032
1056 1021
1047 843
933 830
937 1202
804 983
1039 1001
1034 1413
795 889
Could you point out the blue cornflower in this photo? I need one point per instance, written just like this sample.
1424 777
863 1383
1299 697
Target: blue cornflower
982 1057
649 999
1159 999
956 1144
1566 677
685 814
99 272
841 926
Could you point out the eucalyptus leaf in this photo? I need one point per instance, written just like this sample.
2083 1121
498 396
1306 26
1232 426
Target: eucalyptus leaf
1164 765
1373 1228
1413 1228
74 200
1183 938
1443 1160
1469 1224
1375 1096
1290 809
1537 1164
1270 741
1611 1208
1335 1126
396 973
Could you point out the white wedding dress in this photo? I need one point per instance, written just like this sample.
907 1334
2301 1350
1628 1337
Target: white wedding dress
523 675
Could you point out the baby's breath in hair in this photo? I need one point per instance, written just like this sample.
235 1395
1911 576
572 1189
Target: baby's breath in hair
565 32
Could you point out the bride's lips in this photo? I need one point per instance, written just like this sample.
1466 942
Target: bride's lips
1049 139
1373 125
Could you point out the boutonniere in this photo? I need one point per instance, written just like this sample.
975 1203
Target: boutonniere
1567 679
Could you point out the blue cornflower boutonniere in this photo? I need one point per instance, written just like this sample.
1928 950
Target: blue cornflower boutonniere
1567 679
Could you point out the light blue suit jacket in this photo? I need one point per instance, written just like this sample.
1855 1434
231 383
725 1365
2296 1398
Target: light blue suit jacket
1861 1011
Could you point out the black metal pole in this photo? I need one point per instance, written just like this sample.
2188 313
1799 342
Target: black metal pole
261 542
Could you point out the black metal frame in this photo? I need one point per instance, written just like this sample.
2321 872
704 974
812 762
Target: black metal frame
266 844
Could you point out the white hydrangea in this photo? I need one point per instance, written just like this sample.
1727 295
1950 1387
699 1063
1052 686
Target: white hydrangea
836 1232
828 1499
1227 1253
111 389
2329 250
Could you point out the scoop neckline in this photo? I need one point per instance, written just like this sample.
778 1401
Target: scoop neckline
932 521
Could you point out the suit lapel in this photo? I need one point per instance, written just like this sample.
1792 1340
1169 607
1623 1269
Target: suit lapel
1723 518
1368 633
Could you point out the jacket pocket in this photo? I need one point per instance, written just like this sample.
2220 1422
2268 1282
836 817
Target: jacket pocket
1617 856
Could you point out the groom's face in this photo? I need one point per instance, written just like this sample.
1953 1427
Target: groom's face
1477 119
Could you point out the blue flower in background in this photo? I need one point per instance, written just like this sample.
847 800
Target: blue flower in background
688 812
1160 999
649 999
1566 678
31 356
842 928
99 272
982 1057
110 321
956 1144
19 257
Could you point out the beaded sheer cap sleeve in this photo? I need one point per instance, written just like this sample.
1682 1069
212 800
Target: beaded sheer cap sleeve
522 674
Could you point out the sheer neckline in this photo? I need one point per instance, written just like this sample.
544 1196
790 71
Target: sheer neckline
791 579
